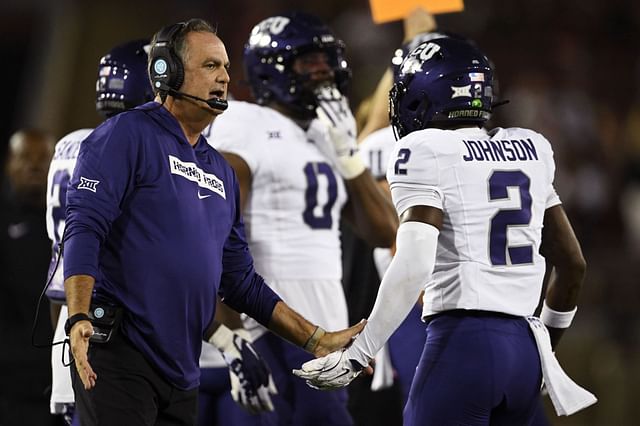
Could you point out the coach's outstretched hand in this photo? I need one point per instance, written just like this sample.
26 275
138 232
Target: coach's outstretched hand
336 340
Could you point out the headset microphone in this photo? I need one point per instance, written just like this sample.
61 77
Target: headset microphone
214 103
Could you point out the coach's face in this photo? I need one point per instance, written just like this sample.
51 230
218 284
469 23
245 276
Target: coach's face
205 68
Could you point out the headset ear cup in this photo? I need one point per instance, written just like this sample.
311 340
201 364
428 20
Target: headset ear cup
159 69
177 75
170 70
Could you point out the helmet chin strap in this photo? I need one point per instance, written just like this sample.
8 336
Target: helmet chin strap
499 104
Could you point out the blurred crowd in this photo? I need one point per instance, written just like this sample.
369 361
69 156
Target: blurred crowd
571 70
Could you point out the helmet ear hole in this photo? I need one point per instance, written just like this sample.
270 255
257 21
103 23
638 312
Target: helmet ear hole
413 105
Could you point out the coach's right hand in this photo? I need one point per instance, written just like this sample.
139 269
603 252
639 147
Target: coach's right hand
79 341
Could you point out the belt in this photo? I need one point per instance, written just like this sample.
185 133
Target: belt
460 313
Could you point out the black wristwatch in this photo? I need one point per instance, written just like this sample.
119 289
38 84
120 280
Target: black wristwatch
74 319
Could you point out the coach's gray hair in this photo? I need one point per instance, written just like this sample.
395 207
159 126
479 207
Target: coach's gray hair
179 43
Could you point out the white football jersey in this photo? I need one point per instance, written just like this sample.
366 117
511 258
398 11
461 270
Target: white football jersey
376 149
60 171
61 387
493 188
292 215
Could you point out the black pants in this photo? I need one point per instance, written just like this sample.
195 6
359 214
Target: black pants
129 391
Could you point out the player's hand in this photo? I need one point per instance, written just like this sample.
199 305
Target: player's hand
333 110
335 340
332 371
79 341
251 382
417 22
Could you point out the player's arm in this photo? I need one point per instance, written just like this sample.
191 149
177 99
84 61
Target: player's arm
410 268
378 116
423 214
227 316
561 249
370 211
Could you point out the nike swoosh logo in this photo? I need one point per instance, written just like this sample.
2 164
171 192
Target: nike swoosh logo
345 371
202 197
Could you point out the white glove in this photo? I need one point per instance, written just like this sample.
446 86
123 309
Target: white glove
251 381
333 110
331 371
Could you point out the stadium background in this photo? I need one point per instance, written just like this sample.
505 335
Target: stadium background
571 70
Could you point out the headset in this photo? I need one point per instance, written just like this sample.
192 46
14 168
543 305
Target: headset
166 69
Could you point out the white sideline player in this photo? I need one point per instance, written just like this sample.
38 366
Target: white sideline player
472 205
298 177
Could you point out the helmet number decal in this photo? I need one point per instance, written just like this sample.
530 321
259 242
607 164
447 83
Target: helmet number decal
477 90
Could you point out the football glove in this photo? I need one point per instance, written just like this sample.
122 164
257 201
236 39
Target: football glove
333 110
251 382
329 372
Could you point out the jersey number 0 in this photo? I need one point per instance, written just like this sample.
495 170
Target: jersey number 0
323 220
